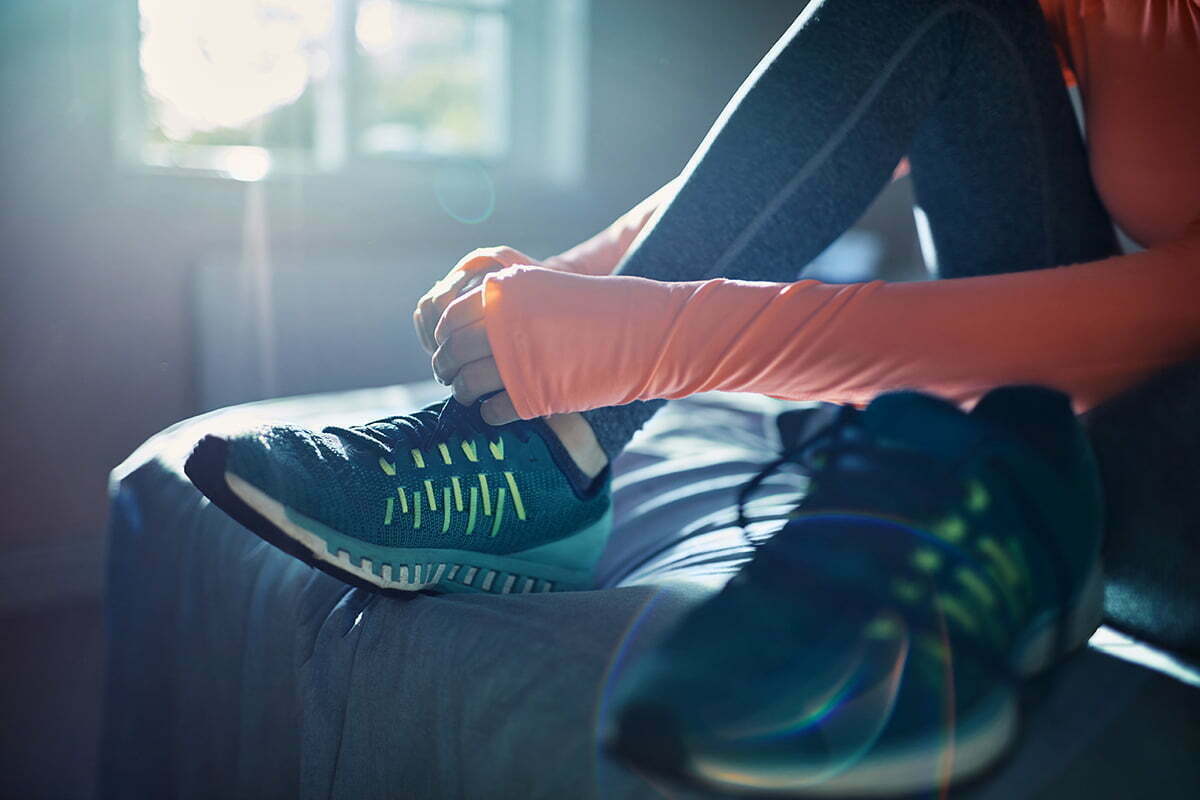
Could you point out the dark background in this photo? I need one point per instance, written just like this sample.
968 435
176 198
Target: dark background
99 326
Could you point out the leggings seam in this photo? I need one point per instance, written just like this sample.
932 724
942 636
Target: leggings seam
873 91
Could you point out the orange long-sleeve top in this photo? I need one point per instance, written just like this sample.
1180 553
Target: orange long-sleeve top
571 337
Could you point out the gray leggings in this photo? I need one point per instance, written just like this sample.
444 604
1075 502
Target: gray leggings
971 92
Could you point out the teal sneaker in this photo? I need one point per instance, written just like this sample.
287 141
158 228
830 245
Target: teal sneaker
436 500
877 644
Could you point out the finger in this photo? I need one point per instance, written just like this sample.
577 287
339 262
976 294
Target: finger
428 322
475 380
462 312
437 298
432 315
464 276
448 288
507 256
433 303
498 410
475 279
464 346
475 258
418 328
424 327
462 283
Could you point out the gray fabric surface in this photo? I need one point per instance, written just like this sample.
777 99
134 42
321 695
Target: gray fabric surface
235 671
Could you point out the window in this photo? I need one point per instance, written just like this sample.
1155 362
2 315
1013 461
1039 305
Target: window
242 88
431 78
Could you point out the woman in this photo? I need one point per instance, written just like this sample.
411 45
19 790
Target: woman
695 290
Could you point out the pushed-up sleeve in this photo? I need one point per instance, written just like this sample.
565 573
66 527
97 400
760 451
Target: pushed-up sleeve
568 342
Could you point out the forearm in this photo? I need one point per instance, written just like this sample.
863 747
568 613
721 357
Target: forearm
600 254
570 343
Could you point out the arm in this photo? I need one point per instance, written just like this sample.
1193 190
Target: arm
1089 329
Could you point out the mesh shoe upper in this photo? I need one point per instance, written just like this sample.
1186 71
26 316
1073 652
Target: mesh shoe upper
439 478
929 542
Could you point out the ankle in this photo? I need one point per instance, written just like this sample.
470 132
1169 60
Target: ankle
579 440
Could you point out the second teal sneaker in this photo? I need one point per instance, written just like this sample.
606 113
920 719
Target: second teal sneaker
436 500
877 645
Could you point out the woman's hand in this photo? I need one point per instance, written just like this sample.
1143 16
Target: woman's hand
463 359
466 276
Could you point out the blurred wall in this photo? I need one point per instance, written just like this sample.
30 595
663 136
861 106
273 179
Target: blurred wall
97 335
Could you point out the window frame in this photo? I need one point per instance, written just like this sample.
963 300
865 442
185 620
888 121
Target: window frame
545 91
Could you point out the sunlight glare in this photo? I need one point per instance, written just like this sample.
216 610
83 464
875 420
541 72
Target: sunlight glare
246 163
224 63
376 26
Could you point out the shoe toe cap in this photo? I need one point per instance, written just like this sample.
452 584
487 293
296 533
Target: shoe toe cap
283 461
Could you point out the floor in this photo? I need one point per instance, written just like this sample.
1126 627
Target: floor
51 677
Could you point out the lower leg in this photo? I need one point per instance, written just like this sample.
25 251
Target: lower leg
579 440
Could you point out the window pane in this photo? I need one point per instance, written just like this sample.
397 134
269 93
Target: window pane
230 72
432 79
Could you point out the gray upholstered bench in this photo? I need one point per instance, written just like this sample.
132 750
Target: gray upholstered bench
236 671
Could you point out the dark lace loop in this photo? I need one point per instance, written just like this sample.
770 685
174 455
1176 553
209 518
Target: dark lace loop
929 484
803 453
750 486
930 487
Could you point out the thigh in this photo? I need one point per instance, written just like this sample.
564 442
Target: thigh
466 695
999 165
970 88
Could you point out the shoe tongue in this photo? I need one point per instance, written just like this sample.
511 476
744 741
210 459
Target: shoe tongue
922 422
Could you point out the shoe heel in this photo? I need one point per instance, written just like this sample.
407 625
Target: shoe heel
1041 649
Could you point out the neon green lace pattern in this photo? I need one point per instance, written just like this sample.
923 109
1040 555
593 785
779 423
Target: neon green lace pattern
432 503
973 599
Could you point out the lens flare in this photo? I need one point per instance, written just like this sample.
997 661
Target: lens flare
604 701
946 760
465 191
815 727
